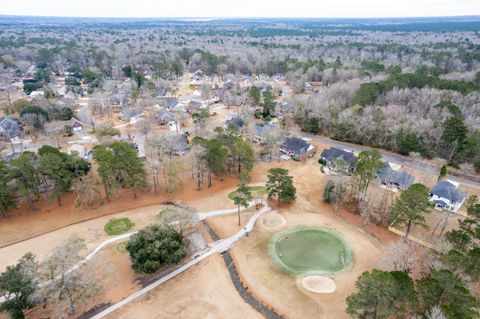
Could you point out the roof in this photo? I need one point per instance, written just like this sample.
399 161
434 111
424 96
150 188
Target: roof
179 143
260 129
60 125
132 112
9 126
336 153
445 189
296 145
195 104
169 102
236 121
390 175
165 116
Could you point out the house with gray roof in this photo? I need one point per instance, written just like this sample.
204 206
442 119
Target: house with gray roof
260 132
180 144
194 106
332 156
132 115
445 195
169 102
393 179
297 148
164 117
235 121
9 128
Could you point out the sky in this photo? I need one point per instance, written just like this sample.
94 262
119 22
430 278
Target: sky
241 8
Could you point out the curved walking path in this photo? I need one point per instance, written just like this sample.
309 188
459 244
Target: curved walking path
217 246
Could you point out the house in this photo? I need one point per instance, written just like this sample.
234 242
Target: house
164 117
9 128
264 87
169 102
235 121
332 155
80 150
261 131
180 145
59 127
131 115
119 99
297 148
194 106
393 179
446 196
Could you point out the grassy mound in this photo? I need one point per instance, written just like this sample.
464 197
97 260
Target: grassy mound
256 191
118 226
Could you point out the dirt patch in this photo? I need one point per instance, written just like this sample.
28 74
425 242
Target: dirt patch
204 291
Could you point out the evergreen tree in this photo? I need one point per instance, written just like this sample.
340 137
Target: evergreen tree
410 207
280 184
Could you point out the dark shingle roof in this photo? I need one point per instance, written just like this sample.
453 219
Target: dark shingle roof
336 153
236 121
387 174
447 190
296 145
10 127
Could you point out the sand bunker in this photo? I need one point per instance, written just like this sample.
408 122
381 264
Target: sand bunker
272 220
319 284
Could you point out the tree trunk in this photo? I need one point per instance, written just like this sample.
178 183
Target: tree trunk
409 225
59 200
238 214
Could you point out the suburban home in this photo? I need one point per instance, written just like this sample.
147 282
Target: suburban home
332 155
59 127
180 145
169 102
235 121
297 148
393 179
119 99
164 117
131 115
194 106
9 128
264 87
78 149
260 132
447 196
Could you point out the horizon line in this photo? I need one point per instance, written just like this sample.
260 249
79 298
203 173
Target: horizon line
239 17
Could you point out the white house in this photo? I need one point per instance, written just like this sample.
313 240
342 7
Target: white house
446 196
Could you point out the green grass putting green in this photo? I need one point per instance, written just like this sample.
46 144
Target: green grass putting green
118 226
255 190
310 251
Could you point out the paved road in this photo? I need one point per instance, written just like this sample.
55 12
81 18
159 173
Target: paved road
408 162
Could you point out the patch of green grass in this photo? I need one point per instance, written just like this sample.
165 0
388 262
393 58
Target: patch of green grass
257 191
122 247
118 226
164 212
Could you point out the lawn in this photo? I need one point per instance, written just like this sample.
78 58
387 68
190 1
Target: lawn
256 191
117 226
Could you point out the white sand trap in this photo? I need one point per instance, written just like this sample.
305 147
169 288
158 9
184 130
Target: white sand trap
272 220
319 284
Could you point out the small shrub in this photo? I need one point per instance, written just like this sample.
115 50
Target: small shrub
322 161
